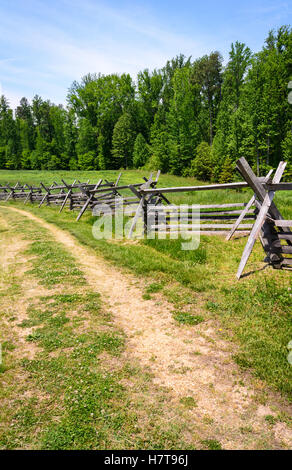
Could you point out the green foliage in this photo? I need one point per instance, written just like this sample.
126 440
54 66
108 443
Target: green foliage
287 147
141 151
150 87
159 143
154 163
86 146
86 161
202 165
239 110
207 75
25 159
182 132
102 99
3 157
123 142
232 119
226 175
54 163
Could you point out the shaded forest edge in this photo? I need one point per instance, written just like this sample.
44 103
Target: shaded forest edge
190 118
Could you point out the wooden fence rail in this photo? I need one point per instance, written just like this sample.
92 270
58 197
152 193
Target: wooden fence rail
214 218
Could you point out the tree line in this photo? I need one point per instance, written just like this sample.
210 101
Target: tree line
192 117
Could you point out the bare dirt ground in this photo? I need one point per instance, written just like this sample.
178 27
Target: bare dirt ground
191 361
12 261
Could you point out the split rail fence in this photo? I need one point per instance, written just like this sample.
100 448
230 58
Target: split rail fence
256 218
79 196
268 224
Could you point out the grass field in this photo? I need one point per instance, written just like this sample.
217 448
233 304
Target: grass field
254 316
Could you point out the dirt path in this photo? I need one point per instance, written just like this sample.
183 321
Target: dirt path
12 262
187 360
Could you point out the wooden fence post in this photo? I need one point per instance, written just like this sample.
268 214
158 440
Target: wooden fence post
266 205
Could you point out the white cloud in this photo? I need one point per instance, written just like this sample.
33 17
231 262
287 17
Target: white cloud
54 43
51 55
12 97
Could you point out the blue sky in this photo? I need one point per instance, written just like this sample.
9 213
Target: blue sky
45 45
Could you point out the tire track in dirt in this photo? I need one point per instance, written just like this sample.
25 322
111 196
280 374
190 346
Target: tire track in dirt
13 267
187 360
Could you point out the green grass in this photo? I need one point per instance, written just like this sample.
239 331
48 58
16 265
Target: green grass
172 248
188 402
259 315
154 287
271 419
212 444
62 265
187 318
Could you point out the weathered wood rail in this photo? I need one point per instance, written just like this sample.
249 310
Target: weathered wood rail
213 219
